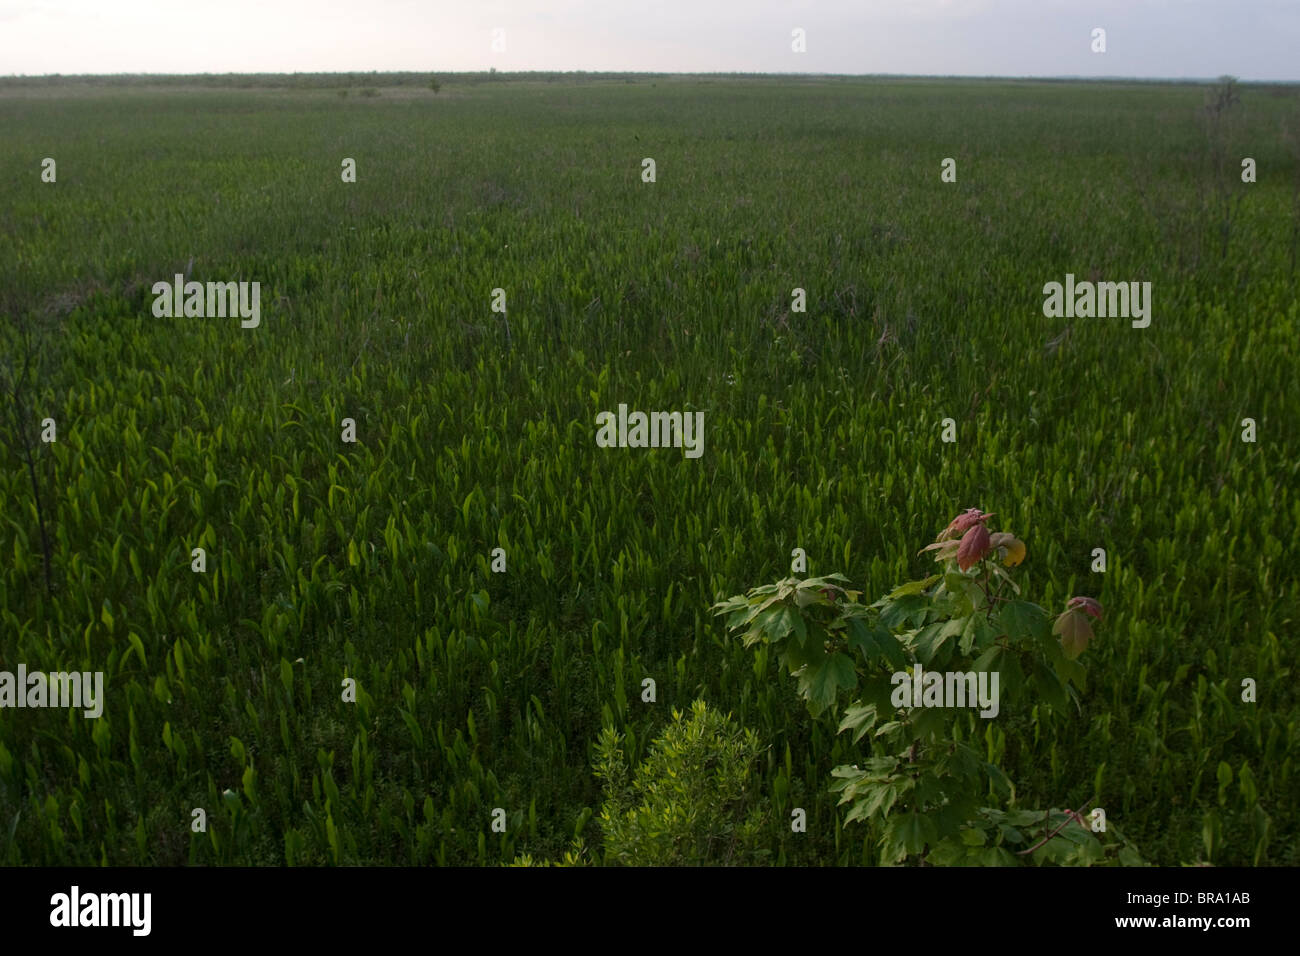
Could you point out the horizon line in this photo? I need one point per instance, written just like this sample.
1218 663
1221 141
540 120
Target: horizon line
1108 78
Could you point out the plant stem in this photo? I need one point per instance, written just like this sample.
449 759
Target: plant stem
1069 818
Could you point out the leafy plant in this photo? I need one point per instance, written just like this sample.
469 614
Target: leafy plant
576 855
925 779
691 802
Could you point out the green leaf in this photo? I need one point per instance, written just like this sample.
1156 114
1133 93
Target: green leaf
887 728
779 623
997 856
880 799
413 726
800 628
1023 621
825 581
955 583
806 596
844 674
1249 791
1072 672
988 660
876 643
138 646
1000 572
846 775
859 638
931 640
1130 857
860 717
810 652
963 591
911 587
824 679
1000 782
947 852
905 835
974 632
895 612
1049 686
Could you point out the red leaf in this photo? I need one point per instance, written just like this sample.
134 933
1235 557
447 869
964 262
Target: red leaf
974 545
946 549
1090 605
963 522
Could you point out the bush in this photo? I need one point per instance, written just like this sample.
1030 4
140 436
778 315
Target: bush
924 775
575 856
691 802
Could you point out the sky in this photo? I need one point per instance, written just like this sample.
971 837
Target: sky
1250 39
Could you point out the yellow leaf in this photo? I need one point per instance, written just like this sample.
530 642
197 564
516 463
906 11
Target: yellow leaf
1075 632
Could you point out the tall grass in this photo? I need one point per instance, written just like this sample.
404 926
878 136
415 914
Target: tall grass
480 690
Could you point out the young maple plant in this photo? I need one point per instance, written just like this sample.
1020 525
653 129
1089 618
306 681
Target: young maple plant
925 784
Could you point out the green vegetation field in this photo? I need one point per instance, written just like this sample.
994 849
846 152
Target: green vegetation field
478 690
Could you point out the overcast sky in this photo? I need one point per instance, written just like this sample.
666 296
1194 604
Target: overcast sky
1252 39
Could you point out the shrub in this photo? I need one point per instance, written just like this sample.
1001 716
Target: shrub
576 855
923 781
691 802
